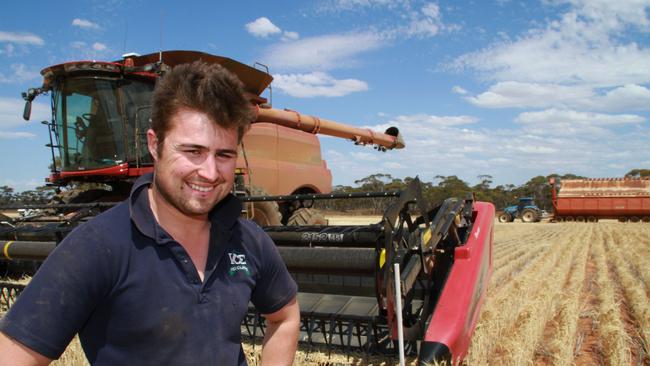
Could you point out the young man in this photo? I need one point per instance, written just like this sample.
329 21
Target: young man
165 278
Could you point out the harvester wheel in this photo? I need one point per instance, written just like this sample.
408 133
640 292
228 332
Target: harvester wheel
504 217
263 213
306 216
529 216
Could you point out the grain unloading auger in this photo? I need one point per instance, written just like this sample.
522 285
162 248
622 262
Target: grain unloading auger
345 275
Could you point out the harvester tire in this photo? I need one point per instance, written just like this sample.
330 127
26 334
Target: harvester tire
306 216
504 217
529 216
263 213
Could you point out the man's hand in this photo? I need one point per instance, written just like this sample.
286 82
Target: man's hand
15 353
281 339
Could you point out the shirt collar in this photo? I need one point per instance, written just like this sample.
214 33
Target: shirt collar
223 216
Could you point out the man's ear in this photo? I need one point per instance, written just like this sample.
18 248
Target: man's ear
152 144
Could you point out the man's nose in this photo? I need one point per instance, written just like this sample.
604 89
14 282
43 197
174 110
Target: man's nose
209 169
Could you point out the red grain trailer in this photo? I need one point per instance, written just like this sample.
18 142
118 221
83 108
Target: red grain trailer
625 199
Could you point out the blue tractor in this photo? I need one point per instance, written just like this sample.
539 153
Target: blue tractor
526 210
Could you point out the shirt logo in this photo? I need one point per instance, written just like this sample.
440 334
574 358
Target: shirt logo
237 264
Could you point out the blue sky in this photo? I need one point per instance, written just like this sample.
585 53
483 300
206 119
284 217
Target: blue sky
512 89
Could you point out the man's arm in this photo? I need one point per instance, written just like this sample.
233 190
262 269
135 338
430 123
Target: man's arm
15 353
281 338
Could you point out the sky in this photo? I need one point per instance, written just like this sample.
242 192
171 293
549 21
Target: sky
510 89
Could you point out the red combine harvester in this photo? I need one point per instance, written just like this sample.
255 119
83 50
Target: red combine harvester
346 274
624 199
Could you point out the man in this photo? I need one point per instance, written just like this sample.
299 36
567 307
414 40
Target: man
165 278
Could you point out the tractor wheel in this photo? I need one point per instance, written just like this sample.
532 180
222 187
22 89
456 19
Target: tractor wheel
263 213
504 217
306 216
529 216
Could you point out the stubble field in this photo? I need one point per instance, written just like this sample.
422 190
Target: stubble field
560 294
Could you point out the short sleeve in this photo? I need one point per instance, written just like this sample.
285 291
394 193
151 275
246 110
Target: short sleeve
61 296
274 287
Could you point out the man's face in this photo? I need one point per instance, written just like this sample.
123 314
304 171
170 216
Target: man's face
195 166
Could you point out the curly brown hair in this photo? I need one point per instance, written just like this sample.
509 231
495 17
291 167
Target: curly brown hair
208 88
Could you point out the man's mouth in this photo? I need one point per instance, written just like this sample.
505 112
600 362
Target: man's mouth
200 188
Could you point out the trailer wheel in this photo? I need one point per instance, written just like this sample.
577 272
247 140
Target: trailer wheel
529 216
569 218
504 217
592 219
622 219
263 213
634 219
646 219
580 219
306 216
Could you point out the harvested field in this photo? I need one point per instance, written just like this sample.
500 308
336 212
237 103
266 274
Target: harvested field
560 294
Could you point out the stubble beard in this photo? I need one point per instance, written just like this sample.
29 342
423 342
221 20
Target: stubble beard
181 203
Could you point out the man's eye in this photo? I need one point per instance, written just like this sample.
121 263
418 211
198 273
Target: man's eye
226 155
193 152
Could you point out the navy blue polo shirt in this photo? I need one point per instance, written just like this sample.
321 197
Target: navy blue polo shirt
135 298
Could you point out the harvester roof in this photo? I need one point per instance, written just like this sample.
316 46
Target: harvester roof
254 80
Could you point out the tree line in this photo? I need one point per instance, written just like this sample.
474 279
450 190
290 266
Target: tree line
443 187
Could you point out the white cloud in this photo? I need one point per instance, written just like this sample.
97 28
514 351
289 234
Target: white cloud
289 36
19 74
338 5
85 24
458 90
11 112
425 119
556 122
508 94
512 94
99 46
364 156
262 27
316 84
21 38
323 52
583 47
8 135
426 23
394 165
78 44
552 115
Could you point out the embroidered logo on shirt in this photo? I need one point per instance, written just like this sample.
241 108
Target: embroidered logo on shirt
238 264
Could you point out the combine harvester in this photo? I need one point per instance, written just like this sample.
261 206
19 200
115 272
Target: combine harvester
349 294
588 200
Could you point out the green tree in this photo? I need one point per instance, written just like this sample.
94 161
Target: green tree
638 173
